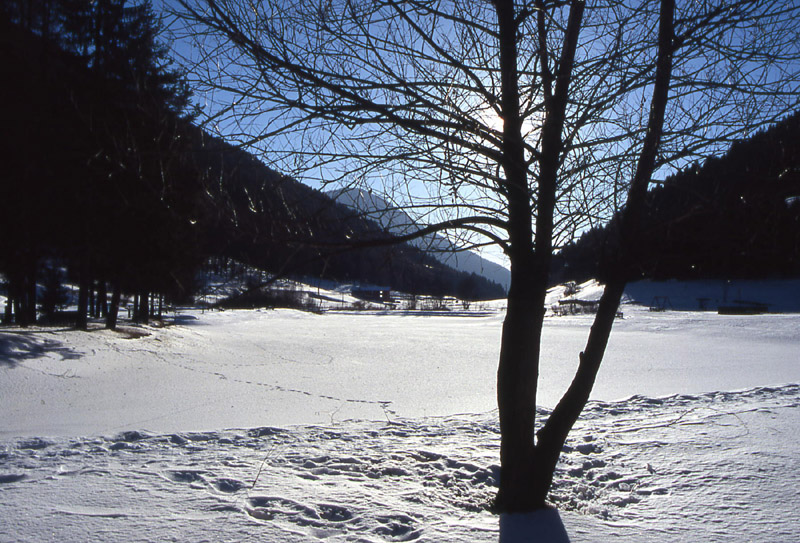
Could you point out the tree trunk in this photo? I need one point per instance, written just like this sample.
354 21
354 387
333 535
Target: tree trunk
21 301
553 434
143 314
31 290
22 293
520 351
20 318
12 304
113 310
518 368
8 314
517 376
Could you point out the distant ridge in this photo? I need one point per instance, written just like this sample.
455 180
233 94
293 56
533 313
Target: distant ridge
398 222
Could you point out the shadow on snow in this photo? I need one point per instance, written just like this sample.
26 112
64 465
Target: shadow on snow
543 526
18 346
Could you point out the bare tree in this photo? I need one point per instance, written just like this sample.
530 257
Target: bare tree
516 124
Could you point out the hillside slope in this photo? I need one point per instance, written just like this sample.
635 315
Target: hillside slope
274 222
736 217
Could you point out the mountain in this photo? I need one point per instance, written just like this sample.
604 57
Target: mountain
398 222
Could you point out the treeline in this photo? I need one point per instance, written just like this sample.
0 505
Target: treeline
106 180
736 217
97 177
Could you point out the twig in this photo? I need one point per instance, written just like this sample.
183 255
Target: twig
261 467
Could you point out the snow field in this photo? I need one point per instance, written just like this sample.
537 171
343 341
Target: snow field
349 429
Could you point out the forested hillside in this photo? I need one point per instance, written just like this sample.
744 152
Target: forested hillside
273 222
734 216
107 184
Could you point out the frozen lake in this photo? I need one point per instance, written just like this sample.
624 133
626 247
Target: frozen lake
256 368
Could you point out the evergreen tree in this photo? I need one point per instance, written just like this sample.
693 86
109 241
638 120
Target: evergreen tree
96 149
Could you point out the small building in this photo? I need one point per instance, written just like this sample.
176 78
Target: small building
372 293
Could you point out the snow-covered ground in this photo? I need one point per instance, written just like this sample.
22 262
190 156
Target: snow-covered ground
288 426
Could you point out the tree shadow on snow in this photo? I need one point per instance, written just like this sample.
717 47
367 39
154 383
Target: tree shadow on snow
543 526
18 346
184 320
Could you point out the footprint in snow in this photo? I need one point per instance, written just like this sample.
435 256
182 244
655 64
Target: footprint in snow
229 486
272 508
334 513
397 528
11 477
276 509
185 476
34 444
